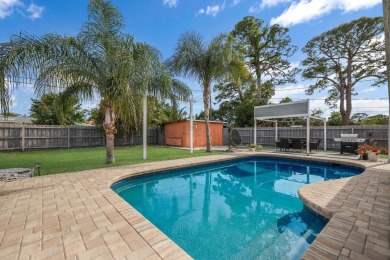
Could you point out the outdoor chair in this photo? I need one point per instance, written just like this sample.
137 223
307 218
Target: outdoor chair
296 144
315 145
284 144
278 145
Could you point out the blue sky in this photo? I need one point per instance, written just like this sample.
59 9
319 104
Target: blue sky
160 23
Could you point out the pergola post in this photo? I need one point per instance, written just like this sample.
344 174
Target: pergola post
276 131
191 128
144 127
255 133
325 135
308 135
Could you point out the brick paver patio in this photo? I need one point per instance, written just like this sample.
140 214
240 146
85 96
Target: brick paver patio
77 216
358 210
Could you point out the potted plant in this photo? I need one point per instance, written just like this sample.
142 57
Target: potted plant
373 155
363 151
369 152
252 147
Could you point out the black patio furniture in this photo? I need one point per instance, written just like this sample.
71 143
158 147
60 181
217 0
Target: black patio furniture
285 144
315 145
278 145
296 144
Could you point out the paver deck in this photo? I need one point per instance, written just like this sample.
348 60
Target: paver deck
358 210
78 216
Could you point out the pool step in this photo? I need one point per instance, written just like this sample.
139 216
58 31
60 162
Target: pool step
274 245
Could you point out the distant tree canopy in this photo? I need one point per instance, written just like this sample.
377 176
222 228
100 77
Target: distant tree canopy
53 109
237 102
364 119
285 100
342 57
335 119
266 50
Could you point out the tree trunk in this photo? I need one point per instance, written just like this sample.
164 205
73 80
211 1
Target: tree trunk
343 112
206 100
258 83
348 111
348 92
110 130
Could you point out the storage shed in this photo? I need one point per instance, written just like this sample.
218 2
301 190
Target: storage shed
178 133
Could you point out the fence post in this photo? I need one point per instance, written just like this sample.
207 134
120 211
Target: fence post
23 137
68 137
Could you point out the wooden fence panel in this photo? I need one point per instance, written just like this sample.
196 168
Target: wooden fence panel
45 136
86 137
10 137
21 137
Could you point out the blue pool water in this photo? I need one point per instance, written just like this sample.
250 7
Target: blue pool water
240 209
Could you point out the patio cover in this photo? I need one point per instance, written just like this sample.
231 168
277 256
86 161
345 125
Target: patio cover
286 110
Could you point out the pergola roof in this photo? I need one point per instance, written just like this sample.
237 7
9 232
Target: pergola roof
284 110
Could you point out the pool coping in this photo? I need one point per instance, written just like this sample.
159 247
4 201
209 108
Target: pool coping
34 242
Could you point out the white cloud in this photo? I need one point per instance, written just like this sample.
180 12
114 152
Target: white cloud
372 89
307 10
13 102
256 8
35 11
370 106
353 5
288 91
236 2
7 7
212 10
171 3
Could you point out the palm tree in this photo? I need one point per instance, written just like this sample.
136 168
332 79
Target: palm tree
100 61
202 61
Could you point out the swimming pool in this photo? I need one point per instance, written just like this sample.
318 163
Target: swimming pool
238 209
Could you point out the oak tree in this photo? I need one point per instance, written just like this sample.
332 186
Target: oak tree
337 60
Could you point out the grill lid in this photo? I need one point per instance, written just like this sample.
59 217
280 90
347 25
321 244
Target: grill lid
349 138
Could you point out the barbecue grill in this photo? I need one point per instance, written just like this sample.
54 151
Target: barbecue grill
349 142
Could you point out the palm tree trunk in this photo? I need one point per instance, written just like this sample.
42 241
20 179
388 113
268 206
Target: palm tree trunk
110 130
206 100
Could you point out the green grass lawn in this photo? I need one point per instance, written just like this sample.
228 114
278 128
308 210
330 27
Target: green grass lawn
68 160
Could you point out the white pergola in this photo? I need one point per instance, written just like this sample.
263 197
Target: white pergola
286 110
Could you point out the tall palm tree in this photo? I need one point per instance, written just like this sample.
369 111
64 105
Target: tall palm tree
202 61
100 61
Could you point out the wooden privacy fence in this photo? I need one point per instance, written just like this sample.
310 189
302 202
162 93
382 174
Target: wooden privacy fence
266 135
24 137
